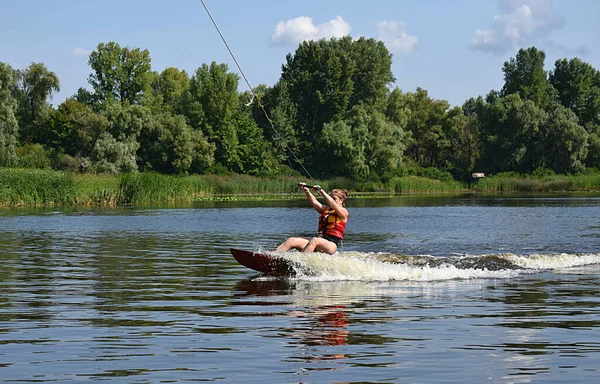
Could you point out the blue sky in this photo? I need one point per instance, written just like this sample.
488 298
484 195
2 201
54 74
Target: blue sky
454 49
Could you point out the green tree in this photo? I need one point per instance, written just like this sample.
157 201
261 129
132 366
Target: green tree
119 74
35 85
593 159
74 128
565 142
255 152
525 76
126 121
428 139
279 129
112 156
510 133
169 145
362 144
327 78
578 87
170 88
9 125
319 78
465 145
372 74
33 156
212 106
398 107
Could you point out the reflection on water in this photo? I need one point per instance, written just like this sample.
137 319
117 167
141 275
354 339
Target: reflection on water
153 295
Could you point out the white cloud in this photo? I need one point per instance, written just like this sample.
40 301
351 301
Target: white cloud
295 31
394 35
80 52
522 22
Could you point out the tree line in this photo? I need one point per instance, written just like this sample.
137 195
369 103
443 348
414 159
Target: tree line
332 113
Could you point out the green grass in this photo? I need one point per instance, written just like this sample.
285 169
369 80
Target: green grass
33 187
527 184
30 187
96 189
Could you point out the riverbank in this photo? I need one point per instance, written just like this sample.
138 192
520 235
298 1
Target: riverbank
32 187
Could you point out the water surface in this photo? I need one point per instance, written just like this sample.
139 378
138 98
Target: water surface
450 289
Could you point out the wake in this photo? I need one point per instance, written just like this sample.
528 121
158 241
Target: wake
374 266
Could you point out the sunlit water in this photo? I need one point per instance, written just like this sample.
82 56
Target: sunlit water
448 290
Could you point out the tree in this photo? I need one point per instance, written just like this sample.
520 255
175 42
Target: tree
255 152
465 145
510 134
327 78
170 87
120 74
126 121
525 76
593 159
362 144
73 129
35 85
9 125
578 87
112 156
428 139
319 78
372 74
565 142
211 106
279 129
169 145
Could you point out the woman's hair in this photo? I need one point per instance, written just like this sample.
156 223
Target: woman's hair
341 193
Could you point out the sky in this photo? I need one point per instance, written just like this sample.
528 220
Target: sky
454 49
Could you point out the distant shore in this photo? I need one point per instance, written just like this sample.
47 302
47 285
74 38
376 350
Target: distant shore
34 187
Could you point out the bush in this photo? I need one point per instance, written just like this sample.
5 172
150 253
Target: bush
33 156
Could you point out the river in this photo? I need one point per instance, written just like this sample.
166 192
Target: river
447 289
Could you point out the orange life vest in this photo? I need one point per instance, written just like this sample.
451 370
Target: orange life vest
331 224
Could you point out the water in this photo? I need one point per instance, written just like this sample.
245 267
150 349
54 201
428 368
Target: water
438 289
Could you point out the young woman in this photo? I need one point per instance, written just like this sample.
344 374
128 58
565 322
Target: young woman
332 222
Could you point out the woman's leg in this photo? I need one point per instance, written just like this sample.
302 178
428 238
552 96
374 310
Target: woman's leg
298 243
321 245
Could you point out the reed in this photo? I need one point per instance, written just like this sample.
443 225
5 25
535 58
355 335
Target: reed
146 188
527 184
31 187
35 187
586 182
418 184
96 190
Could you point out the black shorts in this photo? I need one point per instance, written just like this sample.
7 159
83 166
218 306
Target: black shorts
333 239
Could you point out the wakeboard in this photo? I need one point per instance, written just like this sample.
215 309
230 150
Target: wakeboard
263 262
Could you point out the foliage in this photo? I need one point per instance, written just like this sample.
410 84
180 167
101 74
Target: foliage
525 76
428 140
33 156
112 156
326 79
211 105
74 128
120 74
8 121
578 87
169 145
331 114
34 86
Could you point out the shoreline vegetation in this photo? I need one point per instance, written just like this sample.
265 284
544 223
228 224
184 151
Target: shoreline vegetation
34 187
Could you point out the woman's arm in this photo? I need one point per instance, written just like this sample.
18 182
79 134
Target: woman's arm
331 202
311 198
